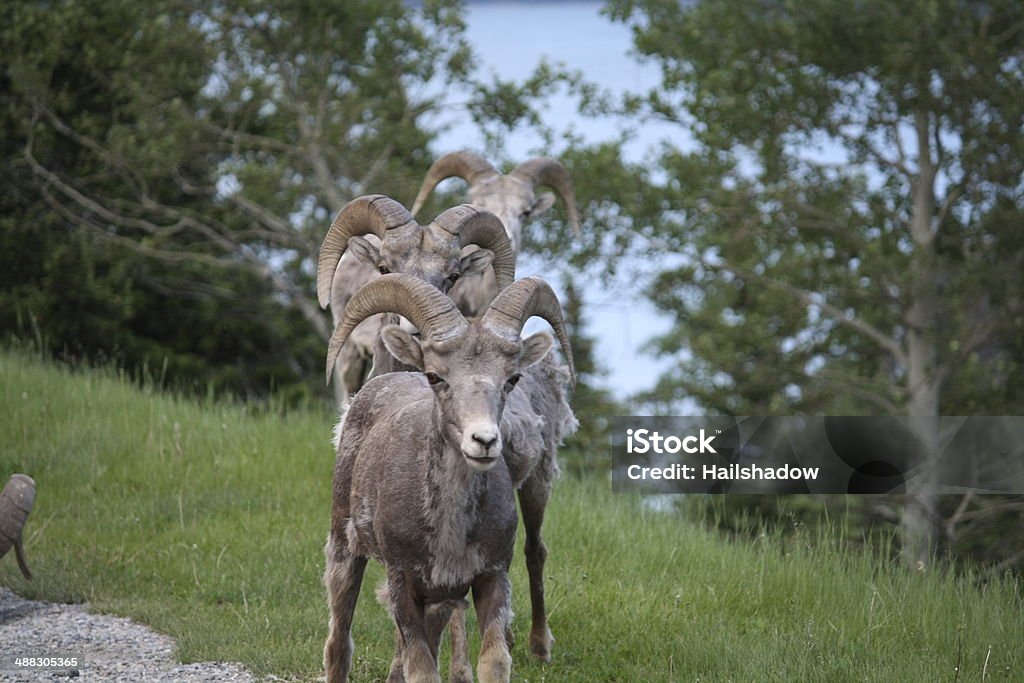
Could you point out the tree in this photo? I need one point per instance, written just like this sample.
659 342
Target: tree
593 405
849 214
220 137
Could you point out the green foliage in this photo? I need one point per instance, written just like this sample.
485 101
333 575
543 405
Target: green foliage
837 229
85 302
314 88
794 212
498 106
75 293
615 198
587 451
172 169
208 524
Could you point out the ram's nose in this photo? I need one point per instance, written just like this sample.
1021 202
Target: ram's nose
481 446
486 437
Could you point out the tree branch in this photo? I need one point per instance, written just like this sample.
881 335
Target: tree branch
894 126
1009 562
860 142
957 515
278 230
940 151
325 178
237 138
167 255
133 178
924 184
850 384
813 299
248 261
375 168
952 196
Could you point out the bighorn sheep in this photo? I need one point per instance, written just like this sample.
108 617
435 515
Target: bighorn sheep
433 252
511 198
15 503
537 416
419 481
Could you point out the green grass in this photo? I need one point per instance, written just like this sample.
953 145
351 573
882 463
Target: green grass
207 522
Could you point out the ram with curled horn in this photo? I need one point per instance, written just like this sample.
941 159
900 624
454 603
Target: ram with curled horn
420 483
512 197
432 252
538 416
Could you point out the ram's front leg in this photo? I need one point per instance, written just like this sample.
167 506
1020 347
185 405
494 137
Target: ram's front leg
461 671
435 619
396 674
419 664
492 597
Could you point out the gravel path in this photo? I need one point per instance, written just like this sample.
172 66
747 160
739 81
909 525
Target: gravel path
111 648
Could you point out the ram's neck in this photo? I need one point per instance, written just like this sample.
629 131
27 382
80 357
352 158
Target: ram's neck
454 500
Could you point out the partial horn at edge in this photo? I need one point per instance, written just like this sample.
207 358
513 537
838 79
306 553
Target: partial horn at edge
469 166
551 172
433 313
370 214
473 225
523 299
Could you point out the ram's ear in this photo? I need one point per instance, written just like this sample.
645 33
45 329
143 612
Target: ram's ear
535 347
541 204
476 262
402 346
364 251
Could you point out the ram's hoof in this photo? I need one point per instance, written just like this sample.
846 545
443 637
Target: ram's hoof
540 644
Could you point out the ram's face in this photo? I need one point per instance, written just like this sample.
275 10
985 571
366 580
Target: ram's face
513 201
425 254
471 375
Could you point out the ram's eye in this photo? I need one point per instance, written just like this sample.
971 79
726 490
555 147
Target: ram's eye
384 270
433 378
454 277
512 381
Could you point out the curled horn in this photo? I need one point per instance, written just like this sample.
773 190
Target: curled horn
519 301
550 172
432 312
482 228
370 214
15 503
469 166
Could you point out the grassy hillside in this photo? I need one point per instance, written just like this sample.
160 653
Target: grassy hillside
207 522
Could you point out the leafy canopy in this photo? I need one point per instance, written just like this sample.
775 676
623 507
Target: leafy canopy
848 212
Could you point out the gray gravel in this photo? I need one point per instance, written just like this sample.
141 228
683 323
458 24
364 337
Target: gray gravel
110 648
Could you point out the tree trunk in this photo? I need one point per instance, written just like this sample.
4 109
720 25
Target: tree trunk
919 523
919 528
